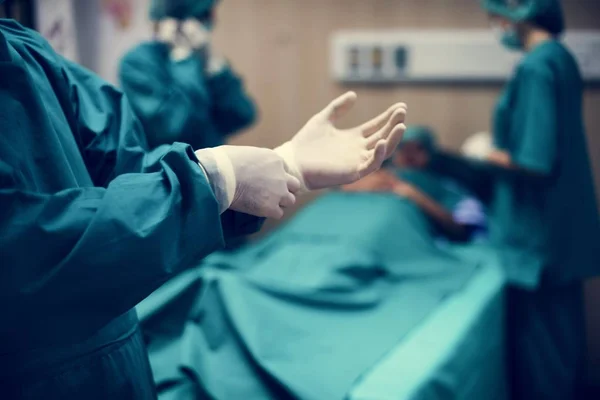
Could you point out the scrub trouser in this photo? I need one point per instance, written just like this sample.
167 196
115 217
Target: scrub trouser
546 341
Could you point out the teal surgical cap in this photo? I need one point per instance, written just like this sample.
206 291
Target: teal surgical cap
547 14
421 134
180 9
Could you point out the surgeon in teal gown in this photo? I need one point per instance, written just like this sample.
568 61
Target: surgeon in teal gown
539 189
196 99
91 223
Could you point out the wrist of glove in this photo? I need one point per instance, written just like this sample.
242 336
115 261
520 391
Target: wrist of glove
251 180
287 152
220 173
216 64
184 37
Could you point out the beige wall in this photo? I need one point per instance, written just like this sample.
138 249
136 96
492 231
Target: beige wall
282 48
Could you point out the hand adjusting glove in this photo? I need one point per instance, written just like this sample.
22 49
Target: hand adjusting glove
184 37
322 156
251 180
198 36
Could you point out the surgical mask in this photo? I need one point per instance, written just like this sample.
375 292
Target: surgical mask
509 37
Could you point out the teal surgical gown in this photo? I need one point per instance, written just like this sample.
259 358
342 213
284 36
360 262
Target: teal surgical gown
91 223
178 101
549 219
543 218
543 213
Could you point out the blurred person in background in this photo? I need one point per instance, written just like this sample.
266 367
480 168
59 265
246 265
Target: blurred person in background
538 186
180 88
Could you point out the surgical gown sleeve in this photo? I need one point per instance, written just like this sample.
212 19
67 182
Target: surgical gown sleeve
75 258
232 108
535 121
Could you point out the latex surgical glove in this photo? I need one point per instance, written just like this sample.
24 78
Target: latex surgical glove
167 30
251 180
197 35
190 37
180 50
216 63
478 146
322 156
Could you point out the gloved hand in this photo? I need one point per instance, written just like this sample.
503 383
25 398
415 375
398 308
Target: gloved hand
198 37
478 146
321 155
184 37
167 30
249 179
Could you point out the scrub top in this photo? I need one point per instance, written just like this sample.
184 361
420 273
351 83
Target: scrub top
544 214
91 223
177 101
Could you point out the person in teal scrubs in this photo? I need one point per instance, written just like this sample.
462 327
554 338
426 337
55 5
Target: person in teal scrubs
178 86
540 194
93 221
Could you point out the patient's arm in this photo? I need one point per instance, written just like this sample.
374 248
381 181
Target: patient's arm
380 181
384 181
433 209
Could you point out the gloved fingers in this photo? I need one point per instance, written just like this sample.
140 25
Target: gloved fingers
195 33
397 118
338 107
394 139
179 53
167 30
293 184
374 125
287 201
375 160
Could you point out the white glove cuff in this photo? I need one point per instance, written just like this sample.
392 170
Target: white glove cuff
216 65
221 176
286 152
179 53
